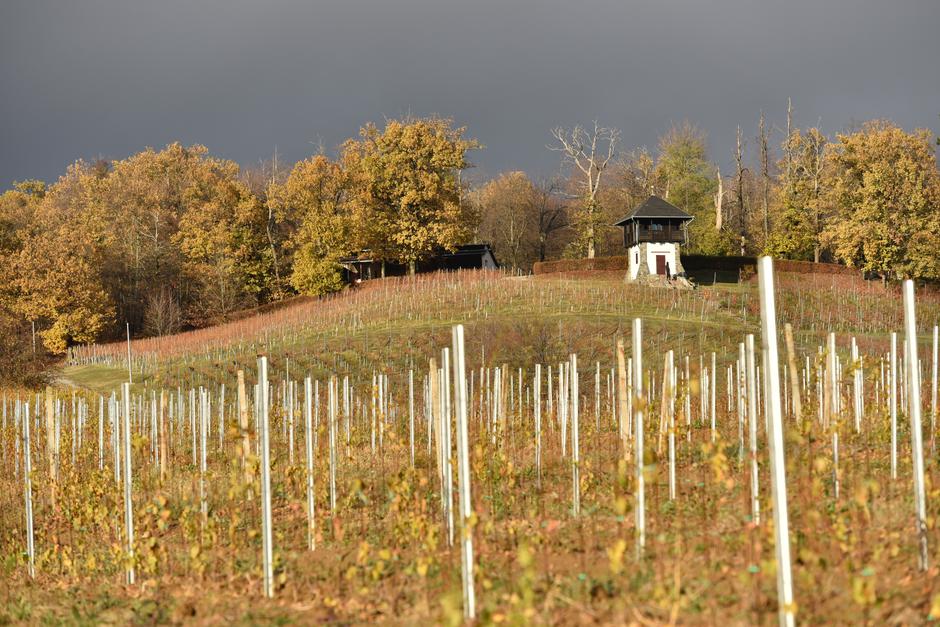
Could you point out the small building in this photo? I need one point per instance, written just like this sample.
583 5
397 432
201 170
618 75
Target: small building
363 267
652 235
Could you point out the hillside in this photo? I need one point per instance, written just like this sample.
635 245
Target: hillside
553 522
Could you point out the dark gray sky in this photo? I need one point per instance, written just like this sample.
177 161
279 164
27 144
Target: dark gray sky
88 78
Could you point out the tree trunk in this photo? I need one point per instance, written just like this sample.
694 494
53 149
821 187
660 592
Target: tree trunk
591 233
411 268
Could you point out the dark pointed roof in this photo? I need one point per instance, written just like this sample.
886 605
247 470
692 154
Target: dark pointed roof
655 207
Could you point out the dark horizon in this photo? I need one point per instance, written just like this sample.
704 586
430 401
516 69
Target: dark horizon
105 78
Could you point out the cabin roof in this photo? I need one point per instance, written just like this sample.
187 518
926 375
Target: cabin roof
464 250
655 207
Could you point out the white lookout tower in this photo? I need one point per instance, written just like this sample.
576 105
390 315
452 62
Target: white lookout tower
652 234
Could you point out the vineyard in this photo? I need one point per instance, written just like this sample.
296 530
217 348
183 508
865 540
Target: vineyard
477 447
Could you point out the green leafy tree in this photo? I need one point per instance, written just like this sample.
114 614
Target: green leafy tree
685 178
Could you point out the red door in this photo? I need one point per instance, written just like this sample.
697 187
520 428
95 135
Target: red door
660 264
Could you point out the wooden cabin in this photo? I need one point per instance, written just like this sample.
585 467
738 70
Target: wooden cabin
362 267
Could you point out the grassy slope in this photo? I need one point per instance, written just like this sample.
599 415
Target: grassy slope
391 324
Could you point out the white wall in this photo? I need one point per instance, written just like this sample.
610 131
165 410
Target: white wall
669 250
652 249
632 254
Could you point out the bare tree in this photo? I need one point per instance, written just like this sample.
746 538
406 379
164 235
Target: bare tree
764 176
520 217
719 197
550 212
162 313
814 160
742 211
788 148
590 152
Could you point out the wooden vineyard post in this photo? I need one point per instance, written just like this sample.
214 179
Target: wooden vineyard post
778 467
266 531
51 446
669 412
463 474
638 407
795 400
308 441
128 505
597 398
914 405
130 371
623 413
433 420
243 426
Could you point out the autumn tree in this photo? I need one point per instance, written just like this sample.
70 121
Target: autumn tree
406 189
184 221
143 197
21 365
885 190
221 236
588 152
314 200
56 280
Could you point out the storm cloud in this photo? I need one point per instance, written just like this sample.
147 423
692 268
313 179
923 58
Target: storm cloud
105 78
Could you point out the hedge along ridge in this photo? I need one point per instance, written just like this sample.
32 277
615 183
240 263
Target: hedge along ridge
692 263
810 267
579 265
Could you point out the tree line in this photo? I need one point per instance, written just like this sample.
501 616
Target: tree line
177 238
867 197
